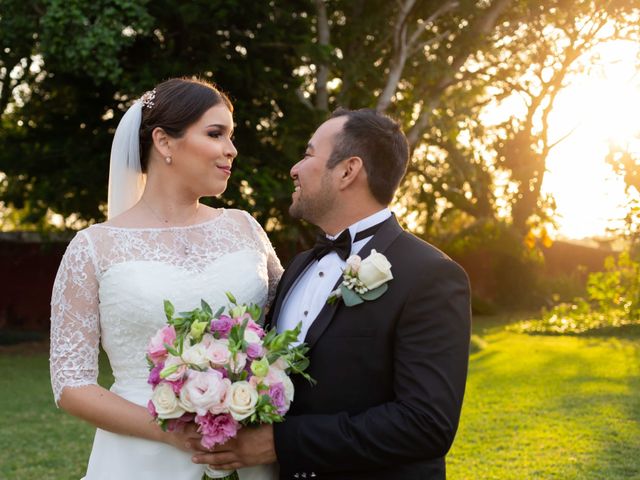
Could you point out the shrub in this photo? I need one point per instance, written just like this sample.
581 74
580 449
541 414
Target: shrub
613 300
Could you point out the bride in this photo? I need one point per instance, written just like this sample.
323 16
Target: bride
172 147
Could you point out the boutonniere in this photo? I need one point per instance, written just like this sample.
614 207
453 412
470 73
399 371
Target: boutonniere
363 279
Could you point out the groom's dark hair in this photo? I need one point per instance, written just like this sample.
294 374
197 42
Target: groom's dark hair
177 104
379 141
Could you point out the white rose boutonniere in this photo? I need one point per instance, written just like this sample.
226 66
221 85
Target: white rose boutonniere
363 280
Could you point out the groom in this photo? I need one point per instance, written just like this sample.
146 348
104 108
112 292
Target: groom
390 371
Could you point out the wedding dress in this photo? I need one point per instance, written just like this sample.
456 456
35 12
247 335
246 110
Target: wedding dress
110 290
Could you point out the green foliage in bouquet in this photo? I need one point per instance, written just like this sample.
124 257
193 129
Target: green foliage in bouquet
192 325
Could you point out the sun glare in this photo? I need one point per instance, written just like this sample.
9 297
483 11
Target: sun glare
601 105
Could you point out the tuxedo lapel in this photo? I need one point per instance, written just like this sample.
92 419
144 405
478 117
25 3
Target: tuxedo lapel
289 277
388 232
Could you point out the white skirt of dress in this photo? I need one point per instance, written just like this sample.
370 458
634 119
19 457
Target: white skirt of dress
123 457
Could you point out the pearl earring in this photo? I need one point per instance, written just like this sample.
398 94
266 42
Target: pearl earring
167 160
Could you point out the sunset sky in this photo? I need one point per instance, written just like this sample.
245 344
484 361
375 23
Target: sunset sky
601 104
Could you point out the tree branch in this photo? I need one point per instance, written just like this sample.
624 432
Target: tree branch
481 29
322 77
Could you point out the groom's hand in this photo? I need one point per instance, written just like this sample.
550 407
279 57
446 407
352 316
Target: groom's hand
252 446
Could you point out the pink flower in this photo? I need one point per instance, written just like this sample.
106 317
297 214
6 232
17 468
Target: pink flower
174 369
277 375
218 353
216 429
254 350
177 424
177 385
205 392
222 326
156 349
154 375
278 398
151 408
253 326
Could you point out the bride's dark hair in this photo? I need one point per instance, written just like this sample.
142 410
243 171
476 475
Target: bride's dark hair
175 105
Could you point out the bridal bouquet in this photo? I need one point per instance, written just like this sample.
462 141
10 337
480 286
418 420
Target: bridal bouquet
221 371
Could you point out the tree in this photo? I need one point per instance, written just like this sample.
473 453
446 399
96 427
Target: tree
543 46
436 66
99 56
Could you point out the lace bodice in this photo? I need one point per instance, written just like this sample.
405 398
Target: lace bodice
112 282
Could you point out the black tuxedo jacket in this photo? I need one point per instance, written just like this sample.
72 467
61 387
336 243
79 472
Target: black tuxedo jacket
390 372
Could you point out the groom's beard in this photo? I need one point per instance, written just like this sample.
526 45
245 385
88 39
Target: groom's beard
313 208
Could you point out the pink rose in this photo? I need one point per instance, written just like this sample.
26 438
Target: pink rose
279 398
216 429
218 353
222 326
254 327
205 392
254 350
156 349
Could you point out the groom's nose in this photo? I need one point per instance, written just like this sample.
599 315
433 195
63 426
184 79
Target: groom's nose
294 171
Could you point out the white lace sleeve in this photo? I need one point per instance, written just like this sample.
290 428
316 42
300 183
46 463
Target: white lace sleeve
75 327
274 267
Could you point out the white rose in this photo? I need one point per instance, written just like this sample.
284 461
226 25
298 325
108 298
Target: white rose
250 336
375 270
165 402
196 355
242 400
288 387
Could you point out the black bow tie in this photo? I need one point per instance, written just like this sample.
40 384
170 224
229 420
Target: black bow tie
342 244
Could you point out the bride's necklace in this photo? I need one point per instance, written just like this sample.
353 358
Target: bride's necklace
165 221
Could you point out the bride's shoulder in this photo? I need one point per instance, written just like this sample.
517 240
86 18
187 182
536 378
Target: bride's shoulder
241 216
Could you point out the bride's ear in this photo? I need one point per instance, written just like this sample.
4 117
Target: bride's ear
161 141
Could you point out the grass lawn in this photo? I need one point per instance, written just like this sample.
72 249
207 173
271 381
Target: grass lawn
37 440
550 407
536 407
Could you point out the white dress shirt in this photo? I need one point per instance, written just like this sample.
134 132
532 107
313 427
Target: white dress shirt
309 293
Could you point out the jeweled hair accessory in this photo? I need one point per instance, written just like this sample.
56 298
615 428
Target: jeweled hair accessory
148 98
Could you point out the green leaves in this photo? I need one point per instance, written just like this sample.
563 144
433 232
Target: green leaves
352 298
169 310
375 293
279 342
89 36
349 297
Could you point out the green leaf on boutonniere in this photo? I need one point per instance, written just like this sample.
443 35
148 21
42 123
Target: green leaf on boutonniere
350 297
375 293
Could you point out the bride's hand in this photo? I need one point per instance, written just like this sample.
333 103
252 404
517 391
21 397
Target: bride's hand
186 439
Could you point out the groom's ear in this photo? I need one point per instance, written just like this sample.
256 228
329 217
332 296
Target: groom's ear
351 169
